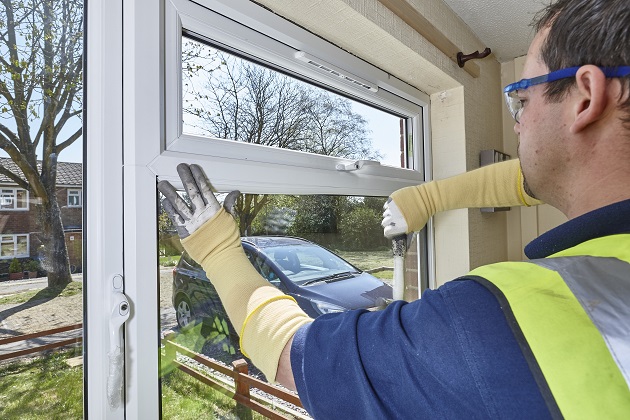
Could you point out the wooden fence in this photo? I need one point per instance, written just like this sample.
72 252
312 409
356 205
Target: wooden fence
241 390
40 334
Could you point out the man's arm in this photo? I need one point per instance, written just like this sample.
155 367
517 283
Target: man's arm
497 185
265 318
285 372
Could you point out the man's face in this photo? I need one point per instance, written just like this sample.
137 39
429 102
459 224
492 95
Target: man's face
540 134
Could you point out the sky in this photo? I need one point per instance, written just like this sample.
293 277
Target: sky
73 153
385 134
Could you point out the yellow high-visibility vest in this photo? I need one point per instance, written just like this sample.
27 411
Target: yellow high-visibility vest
570 313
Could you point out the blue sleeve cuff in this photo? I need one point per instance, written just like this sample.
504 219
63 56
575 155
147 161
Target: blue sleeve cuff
297 361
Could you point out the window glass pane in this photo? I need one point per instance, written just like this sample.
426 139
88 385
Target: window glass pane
7 247
21 247
297 243
42 47
6 199
228 97
22 201
74 198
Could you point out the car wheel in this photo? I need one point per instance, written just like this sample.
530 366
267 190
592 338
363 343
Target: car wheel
183 312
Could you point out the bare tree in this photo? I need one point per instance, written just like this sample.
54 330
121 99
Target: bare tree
229 97
245 102
41 54
335 130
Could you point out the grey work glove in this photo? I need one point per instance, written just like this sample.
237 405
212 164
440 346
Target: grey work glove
187 219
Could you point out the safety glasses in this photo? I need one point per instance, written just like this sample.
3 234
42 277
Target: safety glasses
515 104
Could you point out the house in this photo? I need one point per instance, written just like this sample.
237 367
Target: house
19 224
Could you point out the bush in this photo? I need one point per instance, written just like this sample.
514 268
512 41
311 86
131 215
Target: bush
361 230
170 261
15 266
31 265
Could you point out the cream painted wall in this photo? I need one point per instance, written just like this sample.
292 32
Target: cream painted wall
465 111
524 223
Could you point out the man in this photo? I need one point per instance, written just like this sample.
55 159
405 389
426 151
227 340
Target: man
538 339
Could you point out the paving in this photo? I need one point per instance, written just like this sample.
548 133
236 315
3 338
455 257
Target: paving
40 315
37 315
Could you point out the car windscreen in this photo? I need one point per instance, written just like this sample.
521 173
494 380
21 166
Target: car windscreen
307 264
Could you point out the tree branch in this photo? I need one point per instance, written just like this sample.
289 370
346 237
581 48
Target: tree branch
15 178
10 139
69 141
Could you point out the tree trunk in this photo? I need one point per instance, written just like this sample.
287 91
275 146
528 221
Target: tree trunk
247 207
55 260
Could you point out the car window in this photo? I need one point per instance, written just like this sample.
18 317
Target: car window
308 263
263 268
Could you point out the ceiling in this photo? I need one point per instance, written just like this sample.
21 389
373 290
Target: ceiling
502 25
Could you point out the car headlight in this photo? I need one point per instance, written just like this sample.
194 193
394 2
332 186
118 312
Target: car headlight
326 307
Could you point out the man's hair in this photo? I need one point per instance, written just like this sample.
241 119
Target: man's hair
585 32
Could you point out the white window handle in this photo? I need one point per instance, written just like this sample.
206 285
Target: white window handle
348 167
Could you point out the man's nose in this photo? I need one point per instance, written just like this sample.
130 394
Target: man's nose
517 129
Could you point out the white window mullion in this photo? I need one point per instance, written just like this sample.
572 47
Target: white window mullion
143 122
103 167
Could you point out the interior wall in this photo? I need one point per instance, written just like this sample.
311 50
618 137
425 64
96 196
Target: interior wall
465 111
523 223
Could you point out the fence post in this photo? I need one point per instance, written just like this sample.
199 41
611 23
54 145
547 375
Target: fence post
169 350
242 389
169 353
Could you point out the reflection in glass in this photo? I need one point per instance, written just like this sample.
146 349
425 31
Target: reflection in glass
318 249
228 97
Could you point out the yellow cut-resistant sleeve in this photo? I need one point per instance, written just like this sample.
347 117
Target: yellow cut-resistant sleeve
496 185
264 317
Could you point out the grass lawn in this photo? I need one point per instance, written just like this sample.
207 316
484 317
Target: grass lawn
367 260
184 397
47 388
44 388
46 293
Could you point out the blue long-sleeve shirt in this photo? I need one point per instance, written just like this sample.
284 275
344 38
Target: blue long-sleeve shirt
450 354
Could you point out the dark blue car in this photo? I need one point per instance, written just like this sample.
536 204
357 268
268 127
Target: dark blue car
320 281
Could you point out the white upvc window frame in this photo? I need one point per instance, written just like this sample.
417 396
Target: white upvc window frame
14 200
250 166
13 240
133 130
75 193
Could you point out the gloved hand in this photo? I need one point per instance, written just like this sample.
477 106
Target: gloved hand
265 318
498 185
204 204
394 223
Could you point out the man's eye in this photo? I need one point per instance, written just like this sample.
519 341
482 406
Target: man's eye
523 102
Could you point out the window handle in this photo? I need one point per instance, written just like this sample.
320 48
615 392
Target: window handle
353 166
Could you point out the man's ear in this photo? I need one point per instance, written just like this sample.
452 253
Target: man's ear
591 97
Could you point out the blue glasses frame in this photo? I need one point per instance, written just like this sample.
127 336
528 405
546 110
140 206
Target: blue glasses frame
514 104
